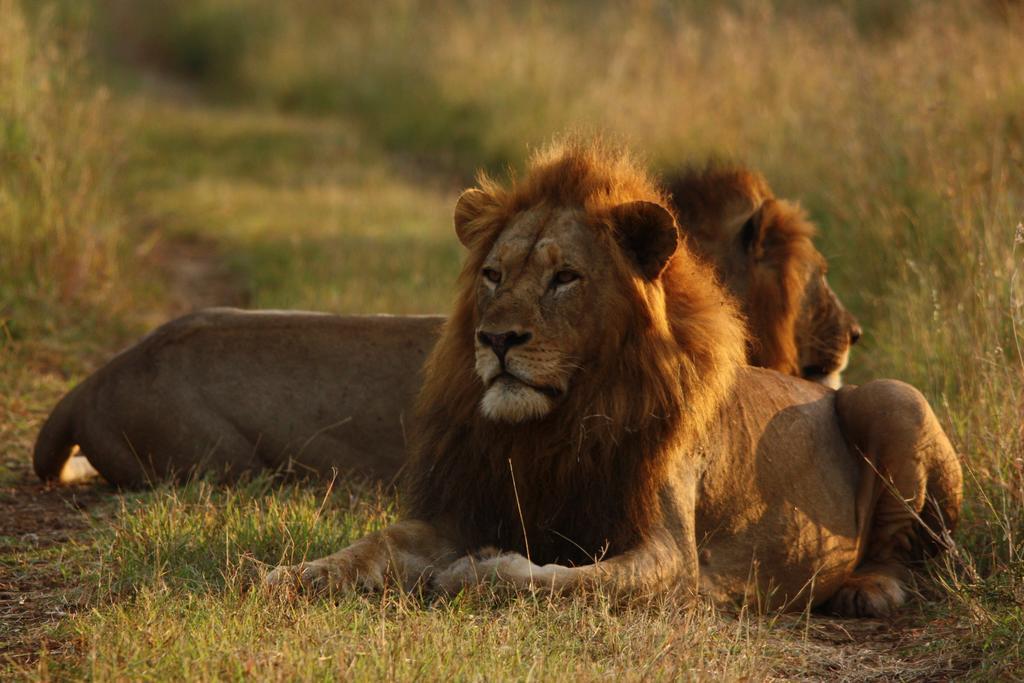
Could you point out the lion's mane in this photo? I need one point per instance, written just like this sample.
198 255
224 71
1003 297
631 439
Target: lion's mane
781 244
585 479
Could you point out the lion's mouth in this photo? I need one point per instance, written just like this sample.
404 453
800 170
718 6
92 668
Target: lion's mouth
819 375
815 372
508 377
827 373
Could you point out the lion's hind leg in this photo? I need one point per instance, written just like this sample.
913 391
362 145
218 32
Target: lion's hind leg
909 499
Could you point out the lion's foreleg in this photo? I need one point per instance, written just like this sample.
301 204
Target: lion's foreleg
405 553
654 566
666 558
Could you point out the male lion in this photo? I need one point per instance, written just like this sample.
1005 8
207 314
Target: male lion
586 421
761 248
230 391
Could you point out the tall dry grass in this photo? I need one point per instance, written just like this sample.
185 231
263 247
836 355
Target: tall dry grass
57 154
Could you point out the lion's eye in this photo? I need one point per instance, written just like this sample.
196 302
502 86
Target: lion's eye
492 275
564 277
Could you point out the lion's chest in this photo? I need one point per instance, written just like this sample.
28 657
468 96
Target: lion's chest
547 533
554 516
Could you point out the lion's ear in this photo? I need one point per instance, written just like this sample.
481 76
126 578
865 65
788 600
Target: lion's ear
471 204
648 232
751 233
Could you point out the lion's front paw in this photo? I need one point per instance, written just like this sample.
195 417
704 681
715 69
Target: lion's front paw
308 577
323 576
279 577
457 576
511 570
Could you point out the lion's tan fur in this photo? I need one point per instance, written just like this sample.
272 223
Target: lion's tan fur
227 392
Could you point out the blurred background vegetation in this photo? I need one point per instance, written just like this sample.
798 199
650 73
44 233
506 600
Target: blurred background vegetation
161 154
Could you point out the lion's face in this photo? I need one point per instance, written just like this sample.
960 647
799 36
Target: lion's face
540 283
586 347
785 268
825 330
535 290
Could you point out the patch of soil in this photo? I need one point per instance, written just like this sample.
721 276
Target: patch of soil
34 592
830 648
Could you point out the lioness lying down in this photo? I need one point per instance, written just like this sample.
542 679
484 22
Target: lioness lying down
588 399
228 391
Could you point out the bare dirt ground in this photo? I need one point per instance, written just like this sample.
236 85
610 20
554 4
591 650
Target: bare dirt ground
196 276
38 524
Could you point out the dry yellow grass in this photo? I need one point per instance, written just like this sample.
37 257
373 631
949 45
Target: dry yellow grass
56 231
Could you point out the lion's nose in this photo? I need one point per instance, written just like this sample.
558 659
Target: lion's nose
855 333
501 342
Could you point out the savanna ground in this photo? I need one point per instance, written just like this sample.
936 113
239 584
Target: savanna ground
156 156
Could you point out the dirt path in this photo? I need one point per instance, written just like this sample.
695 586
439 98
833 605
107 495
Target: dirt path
196 276
39 522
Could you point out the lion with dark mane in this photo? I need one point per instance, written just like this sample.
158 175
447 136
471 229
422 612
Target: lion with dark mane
587 421
763 250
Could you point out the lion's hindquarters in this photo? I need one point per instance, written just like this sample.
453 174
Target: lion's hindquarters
912 472
908 455
227 392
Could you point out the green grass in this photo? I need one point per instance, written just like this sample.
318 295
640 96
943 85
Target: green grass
178 565
306 213
318 153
